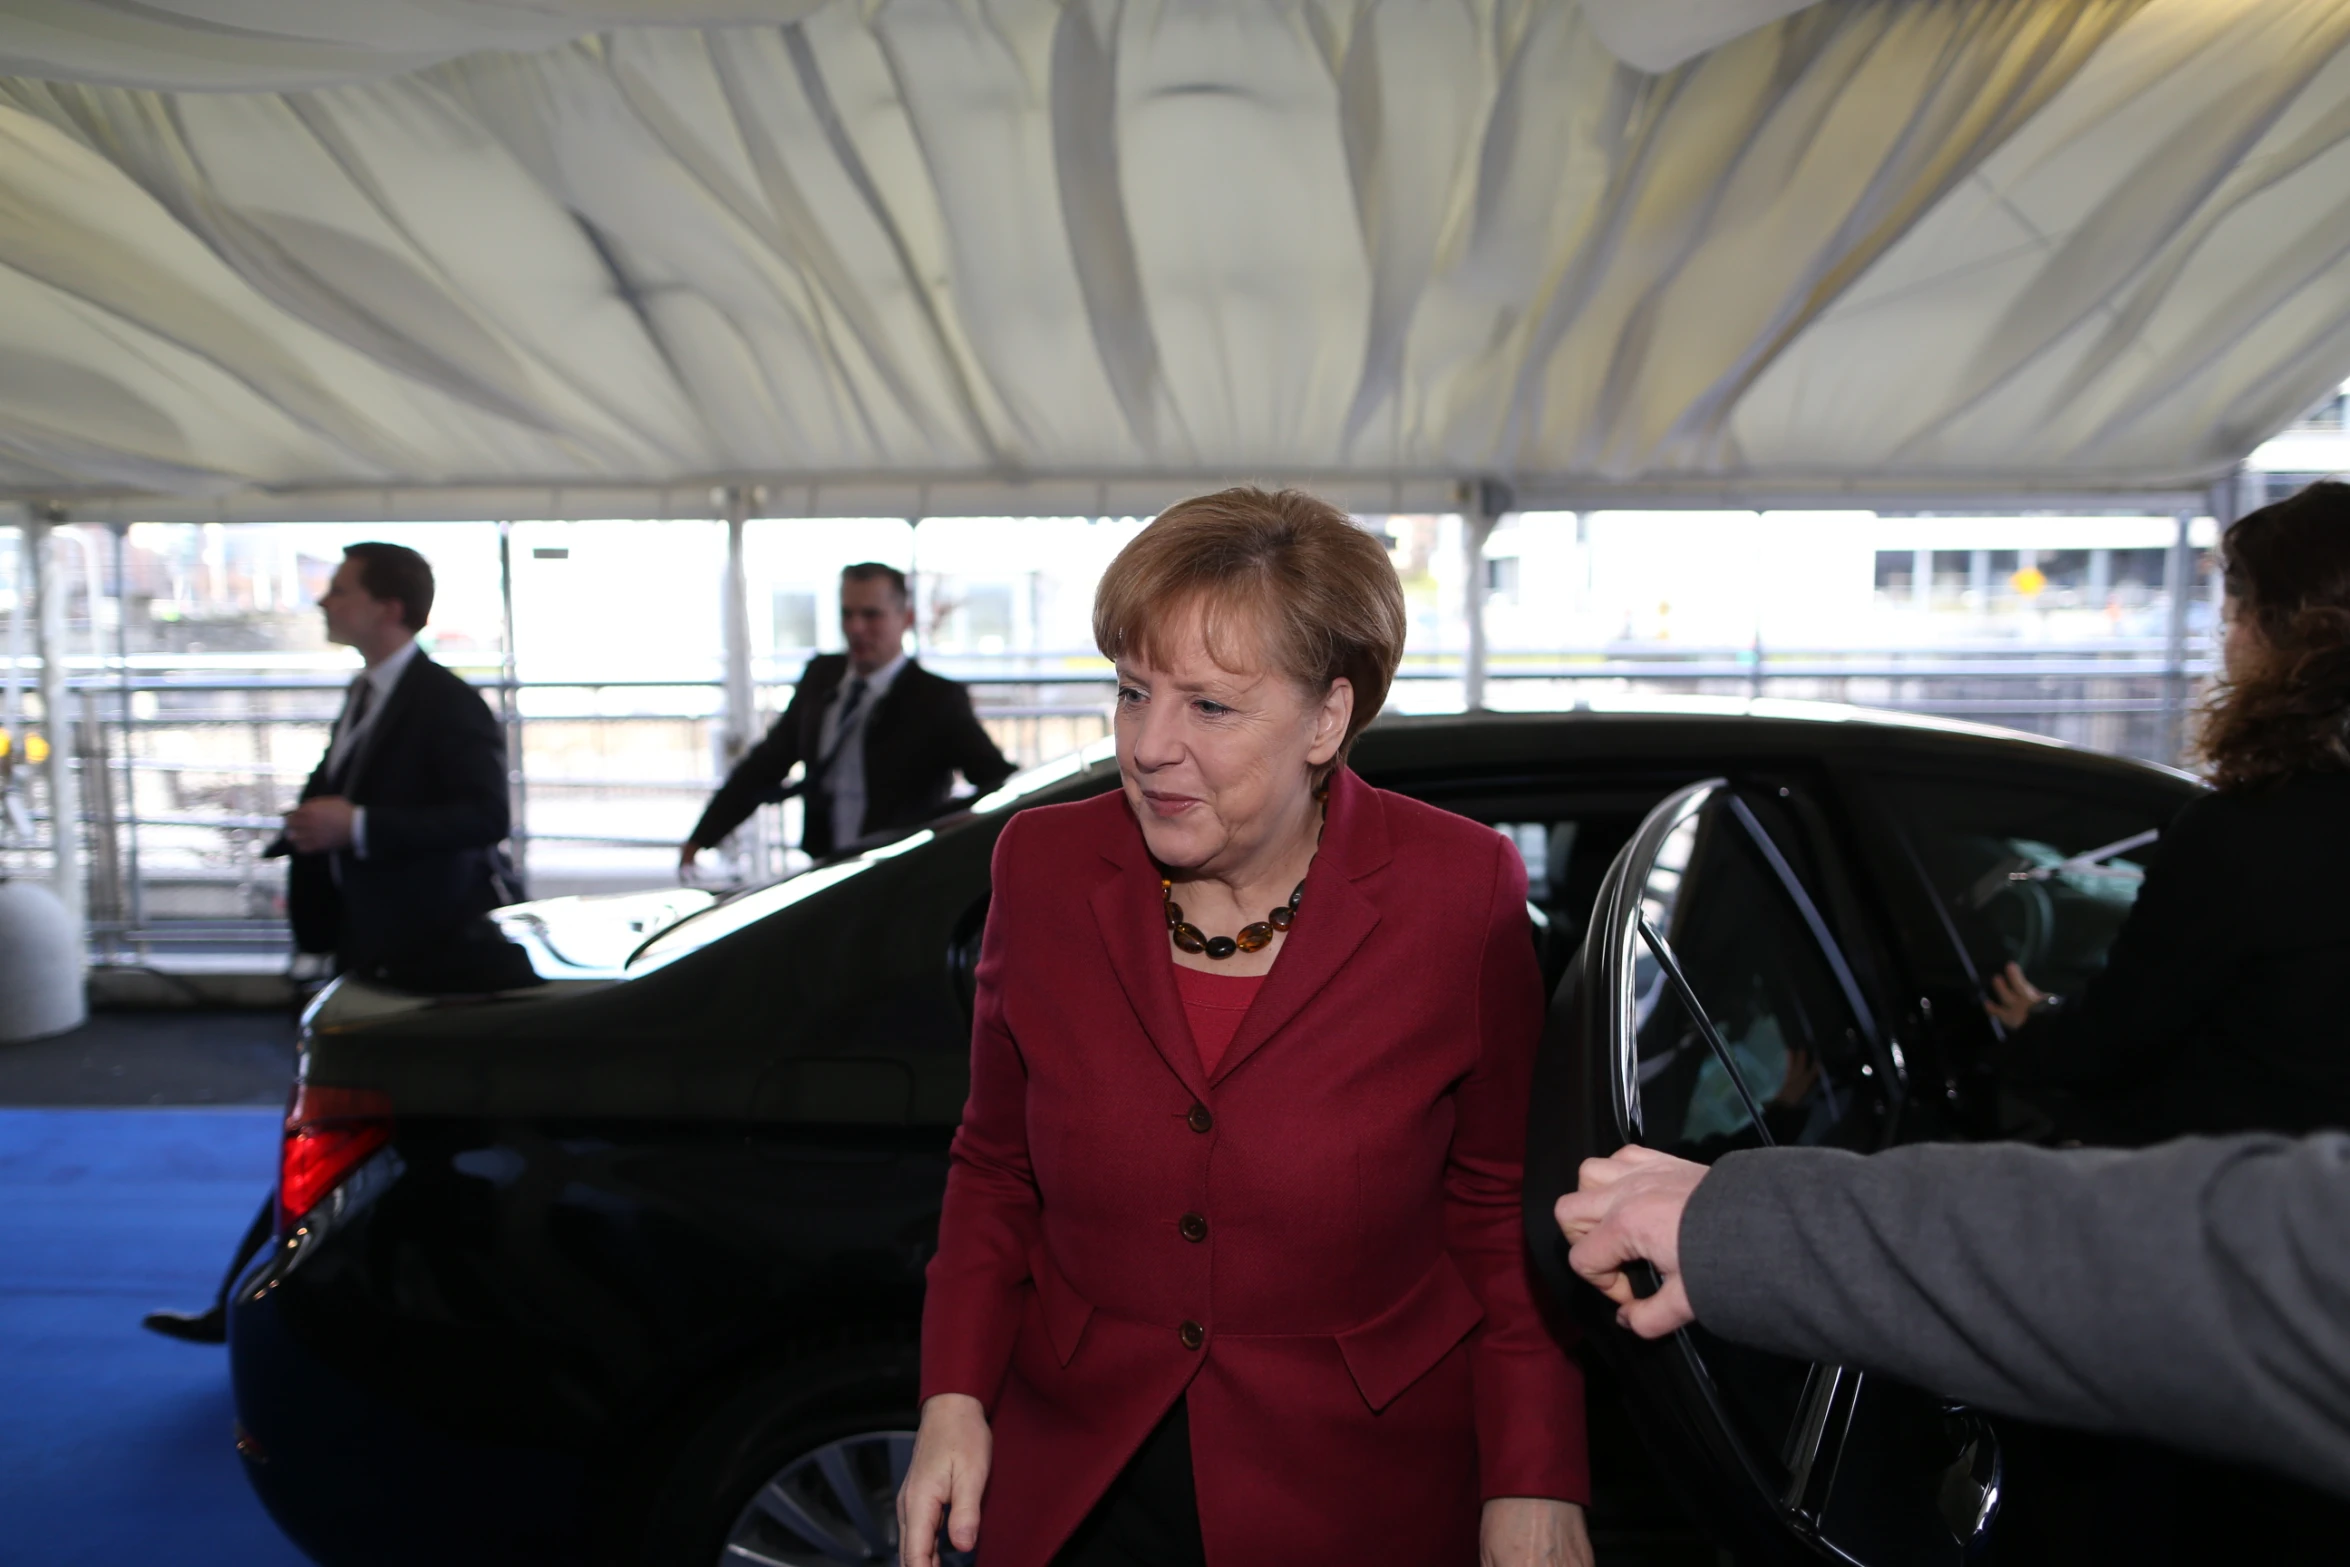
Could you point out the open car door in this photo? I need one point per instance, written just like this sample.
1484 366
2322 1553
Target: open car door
1710 1009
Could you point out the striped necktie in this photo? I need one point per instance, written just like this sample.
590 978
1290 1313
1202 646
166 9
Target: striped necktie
849 704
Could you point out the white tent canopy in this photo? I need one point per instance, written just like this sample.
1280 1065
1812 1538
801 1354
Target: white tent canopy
403 258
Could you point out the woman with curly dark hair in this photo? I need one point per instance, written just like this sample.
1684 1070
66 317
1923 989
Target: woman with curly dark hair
2225 1003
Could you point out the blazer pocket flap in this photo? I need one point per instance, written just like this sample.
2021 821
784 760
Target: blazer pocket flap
1065 1311
1403 1343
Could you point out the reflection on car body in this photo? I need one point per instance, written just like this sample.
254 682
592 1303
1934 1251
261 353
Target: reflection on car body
644 1279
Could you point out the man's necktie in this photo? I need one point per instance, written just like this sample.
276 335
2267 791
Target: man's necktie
850 701
345 746
362 693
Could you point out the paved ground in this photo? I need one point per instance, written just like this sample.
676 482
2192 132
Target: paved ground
156 1058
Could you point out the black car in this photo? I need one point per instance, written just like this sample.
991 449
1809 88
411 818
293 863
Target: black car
629 1267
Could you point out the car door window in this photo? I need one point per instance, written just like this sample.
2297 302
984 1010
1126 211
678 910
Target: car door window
1790 1037
2041 877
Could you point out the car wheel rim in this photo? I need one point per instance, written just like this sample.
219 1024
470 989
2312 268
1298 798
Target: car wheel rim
835 1505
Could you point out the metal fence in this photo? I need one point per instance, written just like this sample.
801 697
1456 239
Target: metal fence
2129 697
183 775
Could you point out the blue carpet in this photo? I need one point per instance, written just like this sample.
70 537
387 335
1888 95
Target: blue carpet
114 1443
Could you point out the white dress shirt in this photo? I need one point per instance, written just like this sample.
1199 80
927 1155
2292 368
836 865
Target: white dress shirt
844 778
380 677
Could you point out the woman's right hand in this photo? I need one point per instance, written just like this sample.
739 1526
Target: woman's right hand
948 1473
2013 997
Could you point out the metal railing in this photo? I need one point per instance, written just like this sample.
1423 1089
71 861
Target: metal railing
184 773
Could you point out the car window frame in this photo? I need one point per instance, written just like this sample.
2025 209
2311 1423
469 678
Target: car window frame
1893 1089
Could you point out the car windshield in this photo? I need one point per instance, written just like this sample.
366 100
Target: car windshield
741 909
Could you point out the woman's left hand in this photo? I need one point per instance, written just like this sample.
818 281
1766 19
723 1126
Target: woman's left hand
1533 1531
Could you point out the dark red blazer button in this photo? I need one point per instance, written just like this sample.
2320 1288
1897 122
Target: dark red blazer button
1199 1120
1194 1227
1192 1335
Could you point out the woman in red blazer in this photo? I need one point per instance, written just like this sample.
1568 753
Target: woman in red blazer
1230 1268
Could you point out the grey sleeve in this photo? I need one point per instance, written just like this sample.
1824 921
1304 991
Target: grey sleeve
2197 1293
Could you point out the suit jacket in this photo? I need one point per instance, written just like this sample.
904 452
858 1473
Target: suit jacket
2191 1293
431 772
2221 1005
1317 1246
918 736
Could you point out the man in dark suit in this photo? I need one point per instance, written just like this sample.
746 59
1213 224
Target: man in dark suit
881 736
395 843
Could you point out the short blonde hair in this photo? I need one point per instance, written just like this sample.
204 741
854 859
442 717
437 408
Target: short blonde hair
1289 573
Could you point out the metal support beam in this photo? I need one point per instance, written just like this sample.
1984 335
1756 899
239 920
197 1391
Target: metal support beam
106 900
914 580
754 857
126 744
20 610
45 551
1488 501
2178 583
510 713
1114 492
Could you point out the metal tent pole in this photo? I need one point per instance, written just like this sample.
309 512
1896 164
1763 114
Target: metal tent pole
65 809
914 579
97 779
742 696
133 886
12 706
2178 580
510 712
1488 501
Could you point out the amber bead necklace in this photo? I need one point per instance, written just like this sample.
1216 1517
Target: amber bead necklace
1252 938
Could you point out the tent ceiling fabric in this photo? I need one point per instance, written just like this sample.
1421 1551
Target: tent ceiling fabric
592 257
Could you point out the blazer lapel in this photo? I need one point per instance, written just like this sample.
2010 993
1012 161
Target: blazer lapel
1333 919
811 696
820 686
1126 909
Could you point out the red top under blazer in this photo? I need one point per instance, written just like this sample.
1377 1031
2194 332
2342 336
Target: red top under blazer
1319 1243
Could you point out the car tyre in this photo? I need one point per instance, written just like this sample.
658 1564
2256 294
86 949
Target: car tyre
813 1446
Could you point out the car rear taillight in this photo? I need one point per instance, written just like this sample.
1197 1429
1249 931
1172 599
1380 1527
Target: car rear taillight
330 1132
